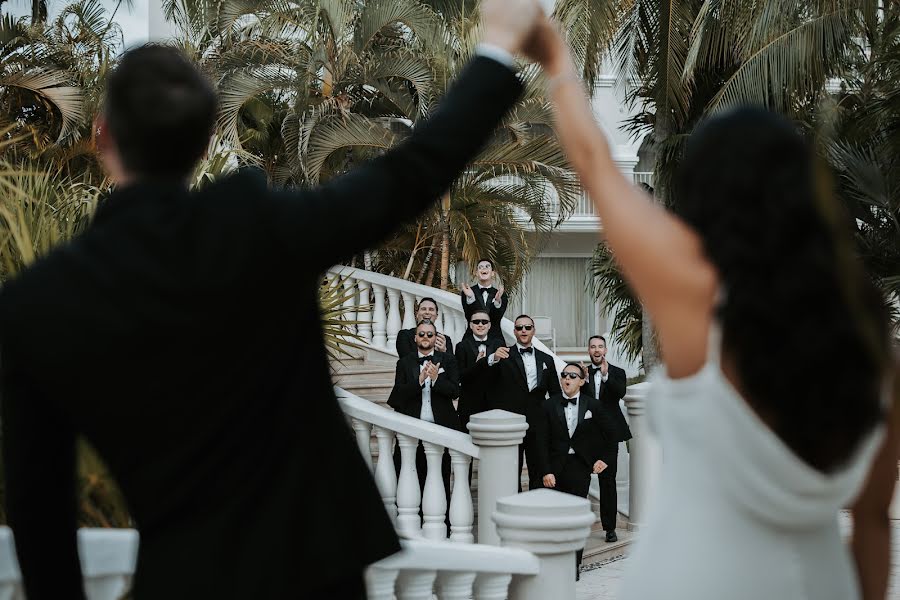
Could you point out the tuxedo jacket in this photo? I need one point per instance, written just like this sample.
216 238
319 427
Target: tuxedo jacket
611 391
406 397
495 314
473 381
406 342
588 440
181 336
508 382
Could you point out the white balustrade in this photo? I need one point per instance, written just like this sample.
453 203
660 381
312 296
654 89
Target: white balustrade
379 319
451 571
552 525
408 493
350 303
434 498
393 317
385 473
409 310
364 329
645 455
497 433
363 432
461 514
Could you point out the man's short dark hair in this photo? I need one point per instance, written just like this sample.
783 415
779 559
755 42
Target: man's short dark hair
524 317
426 322
480 312
487 260
437 308
597 337
160 110
577 366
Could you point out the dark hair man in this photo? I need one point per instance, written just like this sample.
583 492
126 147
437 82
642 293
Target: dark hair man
180 336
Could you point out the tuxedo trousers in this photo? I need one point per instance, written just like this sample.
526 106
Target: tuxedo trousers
575 479
607 482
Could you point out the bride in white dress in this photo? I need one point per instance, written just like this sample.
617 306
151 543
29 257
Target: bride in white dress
771 407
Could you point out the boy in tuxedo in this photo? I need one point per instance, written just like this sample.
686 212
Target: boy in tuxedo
576 428
607 384
406 338
486 297
519 378
471 350
425 385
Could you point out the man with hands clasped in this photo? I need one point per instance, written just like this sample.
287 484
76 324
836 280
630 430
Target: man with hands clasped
575 430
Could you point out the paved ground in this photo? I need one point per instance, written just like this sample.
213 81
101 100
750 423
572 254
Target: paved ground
600 581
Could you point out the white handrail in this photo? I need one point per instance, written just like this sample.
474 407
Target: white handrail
447 556
370 412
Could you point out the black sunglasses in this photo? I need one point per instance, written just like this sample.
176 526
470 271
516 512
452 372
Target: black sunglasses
424 333
525 327
480 321
570 375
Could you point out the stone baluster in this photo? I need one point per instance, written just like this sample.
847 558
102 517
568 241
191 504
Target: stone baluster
380 583
413 584
409 310
393 316
350 303
494 586
461 324
551 525
455 585
365 311
385 472
379 318
364 439
497 433
448 326
462 515
409 495
434 499
644 457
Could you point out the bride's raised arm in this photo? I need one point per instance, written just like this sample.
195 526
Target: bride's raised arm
661 257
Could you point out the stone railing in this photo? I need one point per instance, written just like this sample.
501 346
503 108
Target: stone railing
108 558
493 440
391 306
539 530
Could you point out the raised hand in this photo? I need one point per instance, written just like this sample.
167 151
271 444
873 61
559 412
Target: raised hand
480 355
435 372
501 353
509 23
440 343
467 290
498 297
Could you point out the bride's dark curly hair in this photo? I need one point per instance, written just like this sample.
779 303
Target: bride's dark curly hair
802 322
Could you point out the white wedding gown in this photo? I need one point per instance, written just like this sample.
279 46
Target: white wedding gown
736 514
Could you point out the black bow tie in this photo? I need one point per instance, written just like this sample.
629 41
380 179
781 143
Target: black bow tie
568 401
594 369
424 359
526 350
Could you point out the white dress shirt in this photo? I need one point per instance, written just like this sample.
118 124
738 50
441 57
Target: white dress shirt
531 372
598 381
427 413
571 411
482 343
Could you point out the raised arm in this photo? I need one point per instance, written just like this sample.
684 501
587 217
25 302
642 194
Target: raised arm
661 257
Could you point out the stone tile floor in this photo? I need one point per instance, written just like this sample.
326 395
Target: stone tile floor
601 580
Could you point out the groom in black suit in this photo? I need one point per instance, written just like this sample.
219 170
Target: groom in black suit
576 433
607 384
228 444
519 379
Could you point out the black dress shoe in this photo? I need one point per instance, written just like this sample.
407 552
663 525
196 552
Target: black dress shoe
611 536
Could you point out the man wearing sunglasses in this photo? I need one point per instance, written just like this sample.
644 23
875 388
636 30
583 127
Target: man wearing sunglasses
486 297
425 385
471 350
520 377
576 427
406 338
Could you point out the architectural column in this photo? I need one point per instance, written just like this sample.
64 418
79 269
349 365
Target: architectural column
385 472
462 515
434 500
551 525
393 316
363 432
364 329
409 310
409 496
350 303
497 433
379 318
645 455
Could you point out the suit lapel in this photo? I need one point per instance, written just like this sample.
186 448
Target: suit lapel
413 367
517 359
582 407
561 413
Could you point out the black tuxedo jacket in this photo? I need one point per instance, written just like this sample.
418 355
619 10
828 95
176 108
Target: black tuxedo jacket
473 381
406 397
406 342
588 439
181 336
494 313
611 392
